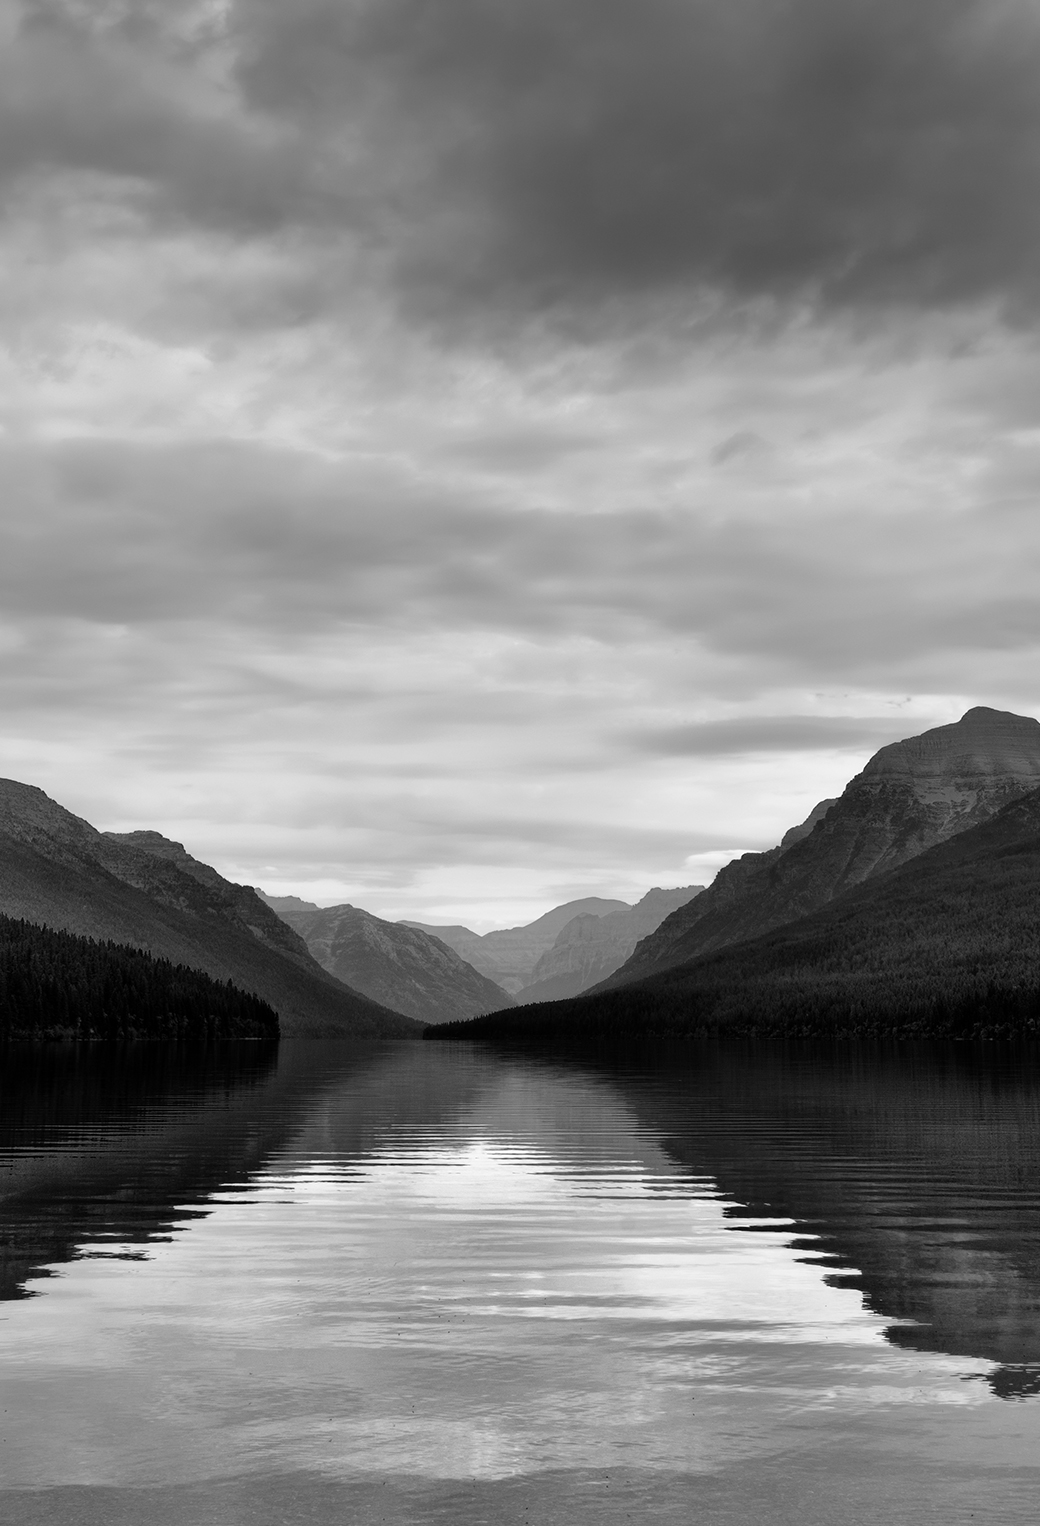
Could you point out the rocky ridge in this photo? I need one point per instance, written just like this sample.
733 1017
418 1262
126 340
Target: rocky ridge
391 962
141 889
943 946
910 796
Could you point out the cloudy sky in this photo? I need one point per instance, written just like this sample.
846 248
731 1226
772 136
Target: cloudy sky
463 454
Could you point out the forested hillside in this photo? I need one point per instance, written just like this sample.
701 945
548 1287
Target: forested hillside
910 796
142 889
946 946
58 985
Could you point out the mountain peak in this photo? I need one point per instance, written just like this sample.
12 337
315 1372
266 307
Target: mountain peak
142 889
910 796
25 809
991 743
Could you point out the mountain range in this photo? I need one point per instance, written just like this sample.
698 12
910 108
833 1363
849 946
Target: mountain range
329 972
508 955
442 976
567 949
589 948
394 963
907 905
142 890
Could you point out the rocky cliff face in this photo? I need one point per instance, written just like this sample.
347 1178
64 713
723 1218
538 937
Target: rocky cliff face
509 954
588 949
139 888
910 796
401 966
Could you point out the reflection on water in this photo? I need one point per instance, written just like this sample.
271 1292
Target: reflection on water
430 1282
915 1171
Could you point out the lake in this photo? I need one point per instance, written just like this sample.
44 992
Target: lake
439 1283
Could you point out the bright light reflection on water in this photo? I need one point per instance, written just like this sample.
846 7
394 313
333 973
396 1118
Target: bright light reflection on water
425 1283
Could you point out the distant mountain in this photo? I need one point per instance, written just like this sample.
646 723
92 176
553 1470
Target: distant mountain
910 796
588 949
139 888
393 963
509 954
944 946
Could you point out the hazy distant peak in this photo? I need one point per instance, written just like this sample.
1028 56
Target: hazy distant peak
556 919
398 963
677 895
589 947
282 903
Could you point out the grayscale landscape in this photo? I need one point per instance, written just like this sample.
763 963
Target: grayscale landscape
519 762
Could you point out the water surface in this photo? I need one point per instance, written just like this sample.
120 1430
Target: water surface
413 1283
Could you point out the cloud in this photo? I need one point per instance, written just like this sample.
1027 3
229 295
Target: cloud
464 447
282 543
740 735
541 159
120 101
856 153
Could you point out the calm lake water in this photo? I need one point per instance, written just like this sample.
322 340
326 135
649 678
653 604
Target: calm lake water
432 1283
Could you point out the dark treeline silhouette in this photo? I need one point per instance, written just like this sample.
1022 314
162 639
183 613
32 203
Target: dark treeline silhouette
945 947
56 985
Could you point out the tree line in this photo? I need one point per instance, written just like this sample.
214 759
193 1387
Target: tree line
58 985
934 950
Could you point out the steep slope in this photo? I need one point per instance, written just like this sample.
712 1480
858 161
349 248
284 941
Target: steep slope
138 888
400 966
588 949
946 946
509 954
910 796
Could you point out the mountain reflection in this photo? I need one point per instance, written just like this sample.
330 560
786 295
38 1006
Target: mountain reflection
912 1175
101 1144
105 1149
913 1172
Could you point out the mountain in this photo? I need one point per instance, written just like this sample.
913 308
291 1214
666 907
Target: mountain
910 796
393 963
509 954
138 888
588 948
944 946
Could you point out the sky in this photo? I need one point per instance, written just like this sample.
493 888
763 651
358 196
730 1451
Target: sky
461 455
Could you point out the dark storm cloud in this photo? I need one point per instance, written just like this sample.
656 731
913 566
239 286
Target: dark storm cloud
540 156
855 150
74 98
